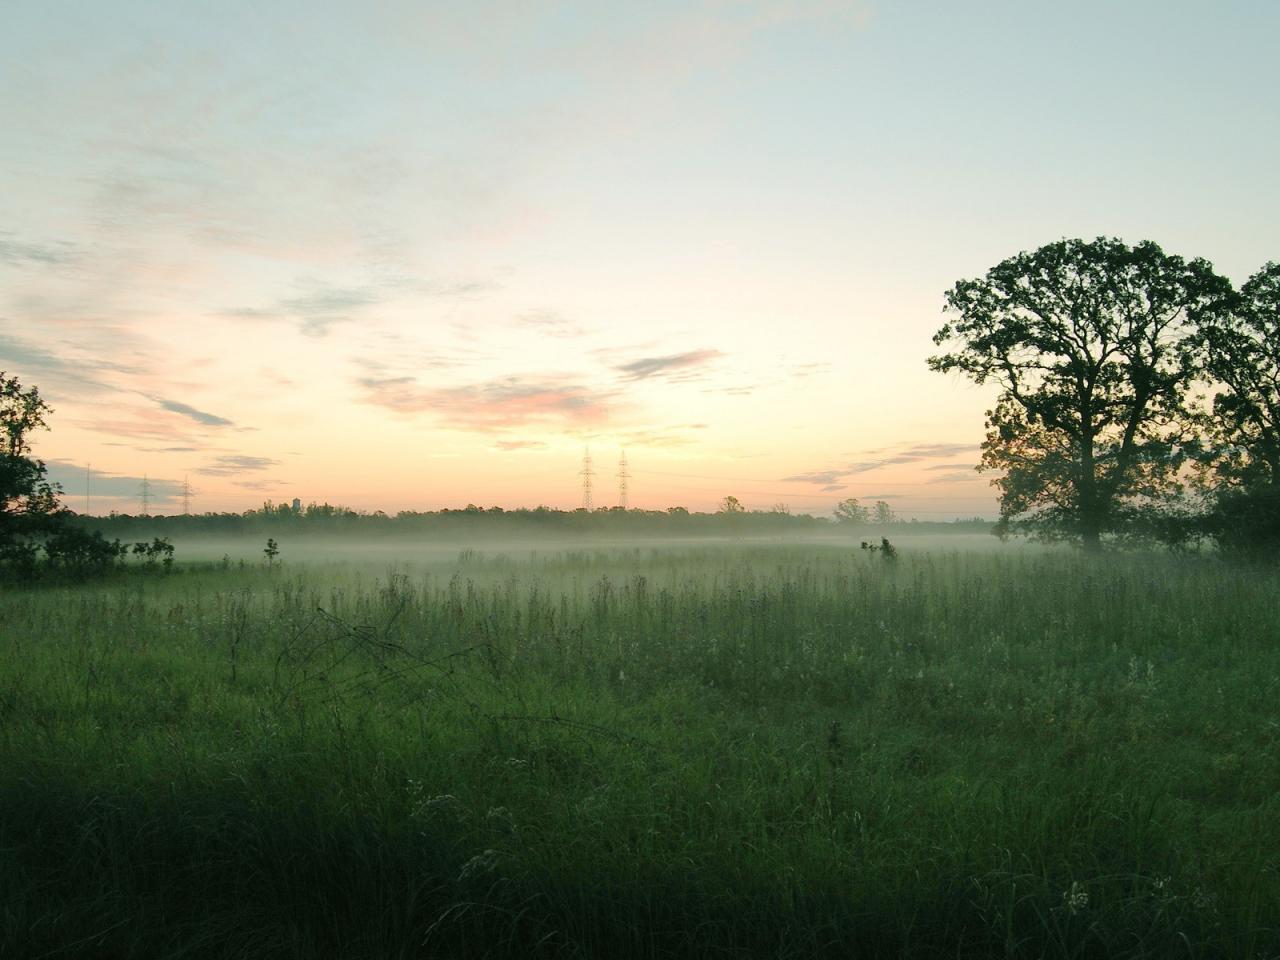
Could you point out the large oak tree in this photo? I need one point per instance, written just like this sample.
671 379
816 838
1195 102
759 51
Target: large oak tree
1243 355
1092 344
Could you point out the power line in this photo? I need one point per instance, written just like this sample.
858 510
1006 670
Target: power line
623 476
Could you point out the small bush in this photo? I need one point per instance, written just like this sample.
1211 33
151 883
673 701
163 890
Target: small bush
888 552
80 553
1245 523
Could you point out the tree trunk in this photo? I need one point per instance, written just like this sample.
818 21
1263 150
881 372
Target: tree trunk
1089 514
1090 537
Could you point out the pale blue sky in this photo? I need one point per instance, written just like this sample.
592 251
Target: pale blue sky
445 233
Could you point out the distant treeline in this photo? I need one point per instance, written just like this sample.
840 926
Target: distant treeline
474 521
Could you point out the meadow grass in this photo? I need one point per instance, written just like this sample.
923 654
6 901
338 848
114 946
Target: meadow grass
741 751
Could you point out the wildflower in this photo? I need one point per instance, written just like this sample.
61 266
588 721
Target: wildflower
1075 899
479 865
1203 899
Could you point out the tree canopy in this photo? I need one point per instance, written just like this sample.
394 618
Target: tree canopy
28 502
1092 344
1243 355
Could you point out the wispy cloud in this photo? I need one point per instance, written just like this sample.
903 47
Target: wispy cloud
802 371
73 370
230 465
462 289
323 306
16 252
519 444
675 435
958 476
672 366
199 416
548 323
317 306
912 453
148 425
927 451
507 402
257 484
818 476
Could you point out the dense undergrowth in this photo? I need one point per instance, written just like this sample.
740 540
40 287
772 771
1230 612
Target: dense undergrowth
768 751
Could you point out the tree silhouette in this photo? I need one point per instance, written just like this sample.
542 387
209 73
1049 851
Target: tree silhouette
850 510
28 502
1243 353
1091 344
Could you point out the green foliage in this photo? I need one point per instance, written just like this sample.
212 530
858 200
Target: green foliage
850 510
884 549
21 412
1094 348
157 553
771 752
1243 354
1245 522
28 502
80 553
271 551
37 535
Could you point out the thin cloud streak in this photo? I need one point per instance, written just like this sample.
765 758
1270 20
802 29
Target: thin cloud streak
504 403
914 453
84 374
672 366
548 323
22 252
191 413
231 465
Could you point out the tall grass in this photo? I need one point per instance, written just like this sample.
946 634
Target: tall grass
763 751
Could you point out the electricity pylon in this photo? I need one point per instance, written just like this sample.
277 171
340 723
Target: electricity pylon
586 473
623 476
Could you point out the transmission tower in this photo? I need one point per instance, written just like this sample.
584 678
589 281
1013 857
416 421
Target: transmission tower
586 473
144 491
623 476
186 496
88 486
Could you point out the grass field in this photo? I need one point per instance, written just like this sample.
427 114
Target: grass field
732 751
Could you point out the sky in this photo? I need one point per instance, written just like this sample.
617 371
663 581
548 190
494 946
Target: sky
407 255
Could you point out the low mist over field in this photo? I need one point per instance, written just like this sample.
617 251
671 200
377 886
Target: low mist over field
779 479
762 749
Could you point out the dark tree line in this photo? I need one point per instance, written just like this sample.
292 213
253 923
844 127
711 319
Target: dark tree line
474 522
37 534
1139 394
